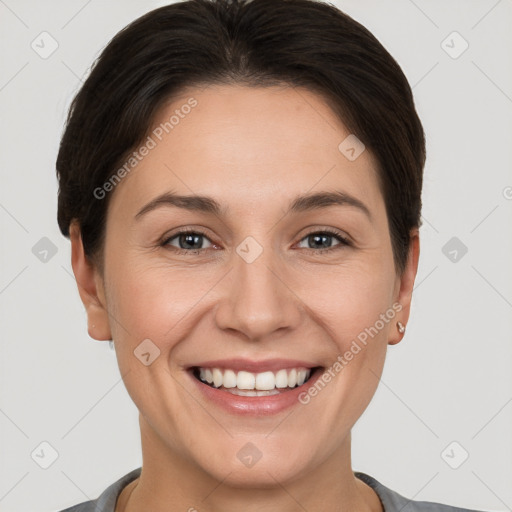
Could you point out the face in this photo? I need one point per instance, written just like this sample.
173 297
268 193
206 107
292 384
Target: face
264 288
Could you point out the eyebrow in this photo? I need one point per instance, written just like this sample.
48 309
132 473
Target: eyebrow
208 205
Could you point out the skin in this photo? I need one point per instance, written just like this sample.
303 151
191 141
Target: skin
253 150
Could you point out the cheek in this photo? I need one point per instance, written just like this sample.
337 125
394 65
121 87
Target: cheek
358 315
354 307
151 299
350 298
167 304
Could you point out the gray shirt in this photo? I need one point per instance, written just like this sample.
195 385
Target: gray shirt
391 500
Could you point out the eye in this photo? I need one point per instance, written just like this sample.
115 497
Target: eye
322 238
188 241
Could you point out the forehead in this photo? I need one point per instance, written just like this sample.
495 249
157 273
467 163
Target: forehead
246 146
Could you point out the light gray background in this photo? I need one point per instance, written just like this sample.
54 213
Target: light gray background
448 380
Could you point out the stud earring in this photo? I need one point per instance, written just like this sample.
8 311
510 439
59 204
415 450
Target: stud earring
401 327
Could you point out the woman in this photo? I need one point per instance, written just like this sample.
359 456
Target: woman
241 184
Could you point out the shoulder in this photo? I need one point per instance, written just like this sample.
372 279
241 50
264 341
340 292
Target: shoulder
106 502
394 502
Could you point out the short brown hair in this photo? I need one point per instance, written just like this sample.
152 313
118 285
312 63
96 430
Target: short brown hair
249 42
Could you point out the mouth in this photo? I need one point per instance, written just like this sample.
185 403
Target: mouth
242 387
246 383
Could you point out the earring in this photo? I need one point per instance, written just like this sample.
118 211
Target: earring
401 327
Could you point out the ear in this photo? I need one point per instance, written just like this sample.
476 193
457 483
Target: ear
404 287
90 288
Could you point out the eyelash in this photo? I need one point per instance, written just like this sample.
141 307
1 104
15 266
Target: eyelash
344 241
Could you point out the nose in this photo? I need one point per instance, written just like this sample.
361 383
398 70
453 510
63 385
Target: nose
258 299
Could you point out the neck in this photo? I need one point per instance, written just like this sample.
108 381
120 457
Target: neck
171 482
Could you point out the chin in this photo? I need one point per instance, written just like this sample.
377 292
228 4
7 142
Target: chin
257 462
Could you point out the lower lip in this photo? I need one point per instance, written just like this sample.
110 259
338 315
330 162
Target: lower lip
255 405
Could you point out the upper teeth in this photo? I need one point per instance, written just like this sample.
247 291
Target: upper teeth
247 380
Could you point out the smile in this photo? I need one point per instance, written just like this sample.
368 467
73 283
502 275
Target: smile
244 383
243 387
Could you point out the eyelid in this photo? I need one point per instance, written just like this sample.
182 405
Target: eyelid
343 238
185 231
331 231
344 241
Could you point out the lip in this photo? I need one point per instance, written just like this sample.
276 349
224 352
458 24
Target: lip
254 405
268 365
